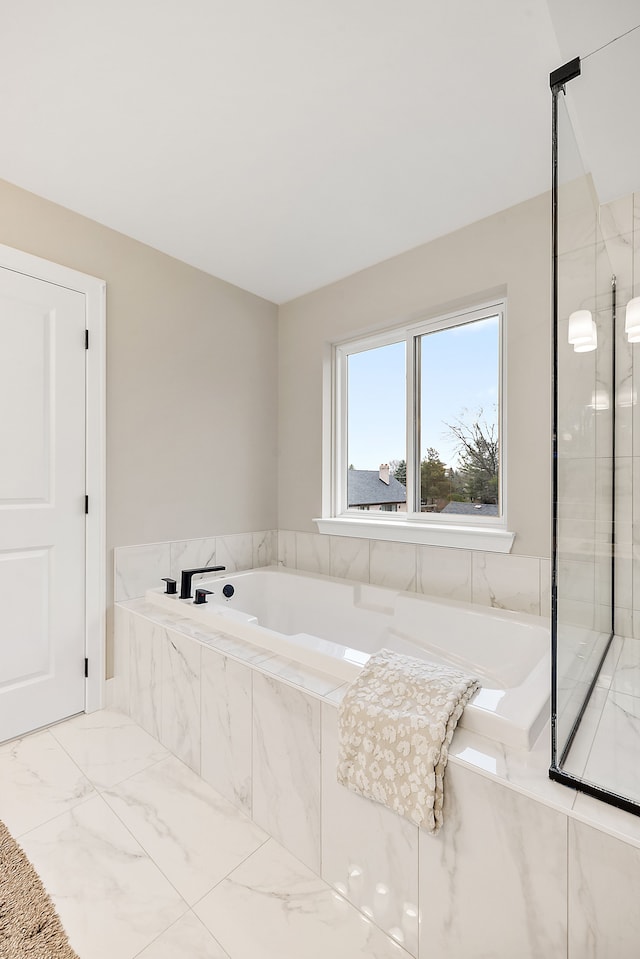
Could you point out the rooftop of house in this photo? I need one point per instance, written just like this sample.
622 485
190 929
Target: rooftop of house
374 488
477 509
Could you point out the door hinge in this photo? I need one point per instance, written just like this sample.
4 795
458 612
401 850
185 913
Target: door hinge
86 668
86 339
86 504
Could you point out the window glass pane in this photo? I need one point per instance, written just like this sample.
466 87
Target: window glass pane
459 417
376 429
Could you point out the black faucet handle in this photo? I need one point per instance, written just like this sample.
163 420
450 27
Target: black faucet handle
201 596
172 587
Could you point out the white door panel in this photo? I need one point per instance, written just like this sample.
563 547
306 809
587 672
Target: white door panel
42 484
24 587
25 434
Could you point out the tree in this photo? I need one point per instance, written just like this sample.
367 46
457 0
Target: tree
478 453
398 468
434 480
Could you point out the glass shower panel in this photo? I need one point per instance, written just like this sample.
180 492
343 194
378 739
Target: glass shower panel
596 585
584 492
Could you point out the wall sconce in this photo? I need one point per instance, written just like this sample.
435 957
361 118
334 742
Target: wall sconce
632 320
583 335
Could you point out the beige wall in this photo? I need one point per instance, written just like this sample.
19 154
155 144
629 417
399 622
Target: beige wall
505 253
211 430
191 381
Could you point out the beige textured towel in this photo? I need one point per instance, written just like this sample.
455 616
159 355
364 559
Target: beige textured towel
395 724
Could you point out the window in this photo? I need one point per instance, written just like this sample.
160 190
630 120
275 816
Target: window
417 427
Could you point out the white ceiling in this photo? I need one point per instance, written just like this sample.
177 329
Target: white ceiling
284 144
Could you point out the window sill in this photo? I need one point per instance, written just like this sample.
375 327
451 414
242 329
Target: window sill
487 539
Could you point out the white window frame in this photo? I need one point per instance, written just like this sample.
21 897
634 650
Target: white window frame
481 532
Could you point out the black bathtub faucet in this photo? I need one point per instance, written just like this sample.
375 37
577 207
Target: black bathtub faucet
188 574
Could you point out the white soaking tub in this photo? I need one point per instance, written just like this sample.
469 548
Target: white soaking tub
333 625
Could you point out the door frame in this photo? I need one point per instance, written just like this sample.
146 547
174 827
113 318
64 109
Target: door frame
94 291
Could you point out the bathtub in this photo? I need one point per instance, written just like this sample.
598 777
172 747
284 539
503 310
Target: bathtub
334 625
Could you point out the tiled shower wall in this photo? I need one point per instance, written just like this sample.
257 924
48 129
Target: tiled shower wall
620 227
505 581
597 242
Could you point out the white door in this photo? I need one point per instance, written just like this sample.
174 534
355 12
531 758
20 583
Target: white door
42 503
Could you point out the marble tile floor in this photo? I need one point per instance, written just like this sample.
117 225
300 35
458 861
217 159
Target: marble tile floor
606 745
142 858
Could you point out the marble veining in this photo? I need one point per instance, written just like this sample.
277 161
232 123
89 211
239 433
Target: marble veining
146 642
192 554
305 677
264 548
110 896
123 866
180 700
208 637
349 558
625 677
393 565
501 857
604 890
576 483
581 747
194 835
235 552
286 767
493 830
437 571
576 580
506 582
139 568
312 553
107 746
226 727
529 769
509 772
301 676
620 725
293 914
39 781
444 572
287 548
524 770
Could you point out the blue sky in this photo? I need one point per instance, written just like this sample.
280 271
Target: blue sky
459 372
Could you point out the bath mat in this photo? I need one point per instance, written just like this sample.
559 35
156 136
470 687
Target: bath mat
395 724
29 925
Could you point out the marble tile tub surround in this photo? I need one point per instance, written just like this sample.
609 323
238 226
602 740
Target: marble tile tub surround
139 568
493 883
504 581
